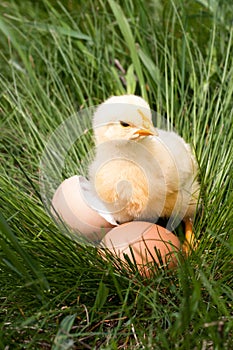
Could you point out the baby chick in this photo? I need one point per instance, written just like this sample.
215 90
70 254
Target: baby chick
142 173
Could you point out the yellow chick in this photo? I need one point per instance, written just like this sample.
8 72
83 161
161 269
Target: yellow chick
142 173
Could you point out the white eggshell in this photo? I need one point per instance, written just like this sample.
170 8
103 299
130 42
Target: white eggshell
142 238
70 205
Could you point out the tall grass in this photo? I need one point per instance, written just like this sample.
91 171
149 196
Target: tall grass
56 59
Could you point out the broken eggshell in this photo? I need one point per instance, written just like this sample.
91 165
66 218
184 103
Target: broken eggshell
145 243
74 204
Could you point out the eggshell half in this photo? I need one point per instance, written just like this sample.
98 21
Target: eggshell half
144 239
69 204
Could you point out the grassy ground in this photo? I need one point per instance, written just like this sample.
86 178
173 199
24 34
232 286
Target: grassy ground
57 58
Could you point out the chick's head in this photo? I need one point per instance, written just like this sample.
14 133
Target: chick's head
126 117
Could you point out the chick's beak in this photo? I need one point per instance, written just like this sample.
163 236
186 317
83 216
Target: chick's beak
145 132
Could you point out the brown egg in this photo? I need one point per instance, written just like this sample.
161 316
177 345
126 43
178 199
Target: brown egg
144 239
69 204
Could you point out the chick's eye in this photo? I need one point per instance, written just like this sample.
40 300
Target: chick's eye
124 124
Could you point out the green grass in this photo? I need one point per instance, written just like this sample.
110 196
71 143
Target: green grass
57 58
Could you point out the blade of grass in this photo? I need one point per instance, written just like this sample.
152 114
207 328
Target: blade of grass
130 41
15 262
63 341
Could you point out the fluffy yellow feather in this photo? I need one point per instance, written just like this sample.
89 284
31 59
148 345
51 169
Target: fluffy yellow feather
142 173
